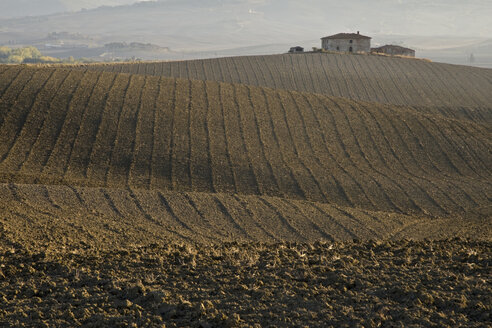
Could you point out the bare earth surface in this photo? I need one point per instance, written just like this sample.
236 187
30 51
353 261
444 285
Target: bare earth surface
390 80
246 192
353 284
65 216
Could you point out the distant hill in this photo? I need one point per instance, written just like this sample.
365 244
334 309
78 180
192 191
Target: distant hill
397 81
478 53
22 8
214 25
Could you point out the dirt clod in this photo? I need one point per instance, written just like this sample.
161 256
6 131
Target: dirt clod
446 283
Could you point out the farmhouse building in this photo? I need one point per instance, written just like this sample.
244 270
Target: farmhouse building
394 51
347 42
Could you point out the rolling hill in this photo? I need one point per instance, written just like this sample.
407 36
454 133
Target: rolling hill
162 197
284 155
396 81
67 216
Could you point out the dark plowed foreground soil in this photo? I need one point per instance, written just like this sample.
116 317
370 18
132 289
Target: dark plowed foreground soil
372 284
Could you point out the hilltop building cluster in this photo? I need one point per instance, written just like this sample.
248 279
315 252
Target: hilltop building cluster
357 43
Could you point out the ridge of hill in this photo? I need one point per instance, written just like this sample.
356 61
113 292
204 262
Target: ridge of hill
390 80
67 216
99 129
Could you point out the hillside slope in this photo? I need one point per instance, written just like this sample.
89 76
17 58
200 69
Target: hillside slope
109 130
397 81
67 216
137 200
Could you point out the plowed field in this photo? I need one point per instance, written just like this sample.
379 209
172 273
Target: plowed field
400 81
119 130
167 195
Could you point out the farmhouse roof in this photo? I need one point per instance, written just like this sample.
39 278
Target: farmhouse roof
391 46
345 36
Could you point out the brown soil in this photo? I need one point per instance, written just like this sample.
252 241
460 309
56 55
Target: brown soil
118 131
441 88
355 284
134 200
64 216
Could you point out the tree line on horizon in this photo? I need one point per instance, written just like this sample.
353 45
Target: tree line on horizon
26 55
32 55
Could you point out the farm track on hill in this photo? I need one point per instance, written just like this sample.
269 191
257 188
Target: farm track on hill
103 129
443 88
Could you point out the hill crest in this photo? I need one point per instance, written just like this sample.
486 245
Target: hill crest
396 81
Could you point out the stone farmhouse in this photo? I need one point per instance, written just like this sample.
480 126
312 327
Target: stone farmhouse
394 51
347 42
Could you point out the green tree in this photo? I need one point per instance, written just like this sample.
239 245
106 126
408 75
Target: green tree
15 59
27 52
5 52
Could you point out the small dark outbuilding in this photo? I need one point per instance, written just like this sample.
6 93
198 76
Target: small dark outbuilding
297 49
394 51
